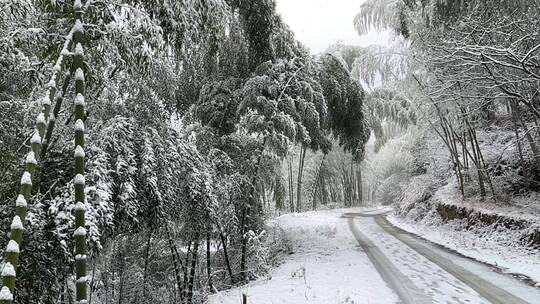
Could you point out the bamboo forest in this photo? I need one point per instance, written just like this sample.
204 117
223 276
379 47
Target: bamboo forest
269 151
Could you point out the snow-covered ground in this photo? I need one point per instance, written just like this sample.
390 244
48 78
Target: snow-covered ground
326 267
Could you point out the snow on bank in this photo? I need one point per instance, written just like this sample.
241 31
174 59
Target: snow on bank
326 267
482 247
516 207
493 243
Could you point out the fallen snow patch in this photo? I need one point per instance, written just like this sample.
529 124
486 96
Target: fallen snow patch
326 267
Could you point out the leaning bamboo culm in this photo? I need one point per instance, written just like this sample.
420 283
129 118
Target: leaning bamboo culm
43 127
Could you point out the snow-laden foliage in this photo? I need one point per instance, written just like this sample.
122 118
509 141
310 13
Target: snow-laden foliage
20 39
190 109
381 15
386 170
344 97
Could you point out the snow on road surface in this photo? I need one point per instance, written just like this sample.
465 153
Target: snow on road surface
494 284
441 286
485 248
329 267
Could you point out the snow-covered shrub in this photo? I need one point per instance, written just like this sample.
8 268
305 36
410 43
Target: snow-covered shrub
267 249
386 170
414 201
391 188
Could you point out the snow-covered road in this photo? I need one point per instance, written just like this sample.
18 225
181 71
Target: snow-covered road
356 256
443 276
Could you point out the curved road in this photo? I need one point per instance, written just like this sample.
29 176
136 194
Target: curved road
421 272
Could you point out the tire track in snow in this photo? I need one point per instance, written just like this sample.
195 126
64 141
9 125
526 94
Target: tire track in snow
401 284
483 287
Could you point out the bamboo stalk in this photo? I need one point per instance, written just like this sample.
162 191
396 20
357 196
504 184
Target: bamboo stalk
43 122
81 283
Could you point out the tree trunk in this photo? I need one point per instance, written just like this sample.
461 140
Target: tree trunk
194 259
145 273
479 168
528 136
247 210
187 271
346 181
303 150
81 288
226 255
263 196
464 151
483 166
43 121
243 245
62 297
324 190
458 161
59 98
92 282
316 183
105 277
208 262
520 150
291 193
449 133
359 185
175 264
353 183
113 287
333 192
122 279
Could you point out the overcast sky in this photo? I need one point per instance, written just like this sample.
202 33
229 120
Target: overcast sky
320 23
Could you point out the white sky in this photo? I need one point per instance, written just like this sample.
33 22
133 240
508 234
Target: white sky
320 23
